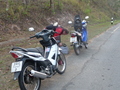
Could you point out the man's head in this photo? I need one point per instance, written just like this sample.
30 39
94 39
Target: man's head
65 31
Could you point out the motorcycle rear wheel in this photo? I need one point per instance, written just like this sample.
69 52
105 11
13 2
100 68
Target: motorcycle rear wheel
76 48
26 81
61 64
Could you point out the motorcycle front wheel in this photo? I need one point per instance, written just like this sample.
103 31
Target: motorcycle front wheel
76 48
61 63
26 81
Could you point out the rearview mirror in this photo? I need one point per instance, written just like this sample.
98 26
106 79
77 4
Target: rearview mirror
86 17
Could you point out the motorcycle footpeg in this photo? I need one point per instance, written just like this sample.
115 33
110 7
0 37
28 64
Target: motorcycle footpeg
51 75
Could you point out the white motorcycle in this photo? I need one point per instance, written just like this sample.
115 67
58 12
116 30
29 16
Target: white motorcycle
32 65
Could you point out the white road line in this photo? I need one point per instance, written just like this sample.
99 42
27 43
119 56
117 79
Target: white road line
115 29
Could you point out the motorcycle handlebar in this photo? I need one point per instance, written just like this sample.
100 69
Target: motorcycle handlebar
56 32
32 36
42 33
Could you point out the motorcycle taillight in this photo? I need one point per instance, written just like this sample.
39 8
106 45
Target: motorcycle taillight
73 35
16 55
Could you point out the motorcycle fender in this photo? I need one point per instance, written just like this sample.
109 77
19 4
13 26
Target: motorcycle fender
75 43
16 74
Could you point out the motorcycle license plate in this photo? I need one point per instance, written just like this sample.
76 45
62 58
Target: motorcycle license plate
16 66
73 39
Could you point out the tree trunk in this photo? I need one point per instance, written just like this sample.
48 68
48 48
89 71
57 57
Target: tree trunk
52 5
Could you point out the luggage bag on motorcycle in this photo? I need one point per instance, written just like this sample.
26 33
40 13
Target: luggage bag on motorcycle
65 49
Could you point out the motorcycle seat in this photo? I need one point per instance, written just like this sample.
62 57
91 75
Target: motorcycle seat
37 49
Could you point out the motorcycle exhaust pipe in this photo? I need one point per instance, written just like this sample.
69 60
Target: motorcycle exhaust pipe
39 74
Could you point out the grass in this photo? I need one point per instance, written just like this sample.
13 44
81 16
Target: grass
97 29
6 59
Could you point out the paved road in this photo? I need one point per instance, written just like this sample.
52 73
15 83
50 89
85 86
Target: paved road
96 68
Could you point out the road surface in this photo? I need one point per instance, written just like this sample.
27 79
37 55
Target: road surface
96 68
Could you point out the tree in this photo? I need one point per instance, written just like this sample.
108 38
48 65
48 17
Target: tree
52 5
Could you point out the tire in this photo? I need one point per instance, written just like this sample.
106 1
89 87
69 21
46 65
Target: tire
61 63
86 45
76 48
27 82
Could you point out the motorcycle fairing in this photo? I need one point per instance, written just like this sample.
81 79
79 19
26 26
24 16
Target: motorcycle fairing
52 53
84 35
35 56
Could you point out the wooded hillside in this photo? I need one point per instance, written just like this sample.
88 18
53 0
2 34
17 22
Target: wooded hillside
21 14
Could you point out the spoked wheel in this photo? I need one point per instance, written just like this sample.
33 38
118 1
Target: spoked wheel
76 48
61 64
26 81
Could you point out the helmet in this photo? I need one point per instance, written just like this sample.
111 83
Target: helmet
78 21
